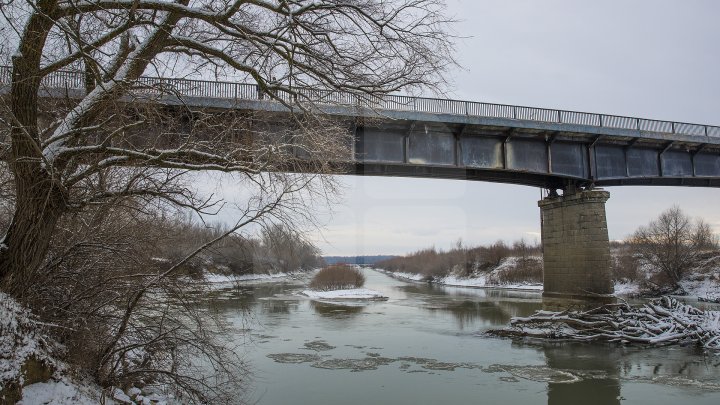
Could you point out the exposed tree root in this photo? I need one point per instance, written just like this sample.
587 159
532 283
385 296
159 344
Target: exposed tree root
662 321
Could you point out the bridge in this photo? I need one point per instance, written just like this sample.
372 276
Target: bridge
577 152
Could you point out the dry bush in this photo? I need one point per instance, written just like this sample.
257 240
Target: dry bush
528 270
496 253
337 277
624 265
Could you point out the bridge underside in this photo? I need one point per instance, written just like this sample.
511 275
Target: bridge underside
533 157
548 181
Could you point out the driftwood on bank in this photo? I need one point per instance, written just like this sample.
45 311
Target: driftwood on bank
663 321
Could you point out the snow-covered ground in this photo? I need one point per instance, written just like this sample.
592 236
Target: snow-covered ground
20 340
481 281
349 294
702 288
625 289
63 392
404 276
705 288
23 339
214 278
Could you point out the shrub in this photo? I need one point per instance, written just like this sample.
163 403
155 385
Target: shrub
625 266
527 270
337 277
496 253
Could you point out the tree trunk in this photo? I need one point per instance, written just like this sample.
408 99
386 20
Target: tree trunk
39 201
38 208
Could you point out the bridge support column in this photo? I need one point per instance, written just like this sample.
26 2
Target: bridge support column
576 250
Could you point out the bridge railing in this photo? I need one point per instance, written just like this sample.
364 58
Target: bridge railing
248 91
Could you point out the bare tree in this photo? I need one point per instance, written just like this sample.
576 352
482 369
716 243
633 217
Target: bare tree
60 153
672 243
285 250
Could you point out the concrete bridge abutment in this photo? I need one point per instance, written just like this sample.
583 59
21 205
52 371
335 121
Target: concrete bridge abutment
576 248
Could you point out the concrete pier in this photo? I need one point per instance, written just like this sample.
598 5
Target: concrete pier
576 249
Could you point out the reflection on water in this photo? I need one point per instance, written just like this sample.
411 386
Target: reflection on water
469 313
334 310
278 306
581 357
473 307
425 346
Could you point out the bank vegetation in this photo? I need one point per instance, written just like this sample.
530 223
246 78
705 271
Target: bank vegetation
674 253
498 263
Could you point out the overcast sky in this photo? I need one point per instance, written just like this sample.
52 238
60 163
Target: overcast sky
648 58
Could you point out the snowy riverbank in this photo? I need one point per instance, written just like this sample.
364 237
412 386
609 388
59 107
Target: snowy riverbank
482 281
695 288
30 372
214 278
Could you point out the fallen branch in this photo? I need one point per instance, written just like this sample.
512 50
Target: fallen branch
660 322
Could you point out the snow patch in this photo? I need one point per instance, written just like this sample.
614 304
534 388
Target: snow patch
350 294
221 278
60 393
627 288
478 281
19 340
405 276
704 288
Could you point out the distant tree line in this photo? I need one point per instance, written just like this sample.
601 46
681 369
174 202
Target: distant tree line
356 259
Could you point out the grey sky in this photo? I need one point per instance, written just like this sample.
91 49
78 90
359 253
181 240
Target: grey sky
648 58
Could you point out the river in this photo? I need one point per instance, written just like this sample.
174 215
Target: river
425 345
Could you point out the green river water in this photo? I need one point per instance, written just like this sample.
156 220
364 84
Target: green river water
425 345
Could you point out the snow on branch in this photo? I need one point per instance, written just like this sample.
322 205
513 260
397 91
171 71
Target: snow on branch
663 321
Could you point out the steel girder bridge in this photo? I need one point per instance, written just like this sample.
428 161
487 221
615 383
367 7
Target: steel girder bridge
438 138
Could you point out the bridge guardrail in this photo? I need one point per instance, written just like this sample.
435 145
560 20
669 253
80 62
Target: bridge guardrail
248 91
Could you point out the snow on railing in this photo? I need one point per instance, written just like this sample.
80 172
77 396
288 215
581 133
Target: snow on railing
249 91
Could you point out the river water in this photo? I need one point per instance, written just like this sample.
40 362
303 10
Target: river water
425 345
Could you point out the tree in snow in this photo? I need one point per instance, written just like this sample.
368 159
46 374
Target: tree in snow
104 147
673 244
